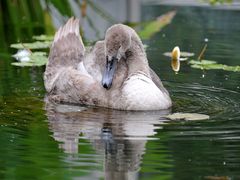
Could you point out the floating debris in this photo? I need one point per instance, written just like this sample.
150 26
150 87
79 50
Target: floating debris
202 52
187 116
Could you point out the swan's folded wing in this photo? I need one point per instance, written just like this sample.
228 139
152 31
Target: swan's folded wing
157 81
67 50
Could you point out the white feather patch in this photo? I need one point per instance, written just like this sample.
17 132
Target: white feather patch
83 70
140 93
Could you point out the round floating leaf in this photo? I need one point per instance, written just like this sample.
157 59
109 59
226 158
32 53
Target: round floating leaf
210 65
187 54
202 62
197 66
187 116
183 59
213 66
34 45
168 54
43 38
35 59
231 68
182 54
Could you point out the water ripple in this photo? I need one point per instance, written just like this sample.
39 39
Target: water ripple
219 103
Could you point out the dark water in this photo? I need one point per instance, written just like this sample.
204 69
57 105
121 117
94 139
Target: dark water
45 141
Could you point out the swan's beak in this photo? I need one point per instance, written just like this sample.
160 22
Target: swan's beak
111 63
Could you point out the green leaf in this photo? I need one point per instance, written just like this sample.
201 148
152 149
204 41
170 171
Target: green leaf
36 59
210 65
182 54
43 38
34 45
231 68
214 2
197 66
202 62
155 26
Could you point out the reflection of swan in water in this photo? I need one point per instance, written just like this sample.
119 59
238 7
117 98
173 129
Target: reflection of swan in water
118 136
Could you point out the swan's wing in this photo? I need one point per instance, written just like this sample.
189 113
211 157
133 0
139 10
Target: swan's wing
94 61
63 81
157 81
67 47
67 50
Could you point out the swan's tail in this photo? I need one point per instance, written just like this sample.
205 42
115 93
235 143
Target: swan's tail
67 50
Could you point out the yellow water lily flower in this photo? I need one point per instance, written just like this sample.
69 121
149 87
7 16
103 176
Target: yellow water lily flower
175 63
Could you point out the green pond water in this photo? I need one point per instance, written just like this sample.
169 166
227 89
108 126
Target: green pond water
39 140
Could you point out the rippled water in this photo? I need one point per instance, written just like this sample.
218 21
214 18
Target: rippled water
40 140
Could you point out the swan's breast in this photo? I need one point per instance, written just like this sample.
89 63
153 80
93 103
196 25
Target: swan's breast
140 93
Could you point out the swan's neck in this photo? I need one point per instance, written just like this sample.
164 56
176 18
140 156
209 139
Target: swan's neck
136 57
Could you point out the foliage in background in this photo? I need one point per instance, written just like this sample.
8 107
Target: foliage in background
214 2
44 41
152 27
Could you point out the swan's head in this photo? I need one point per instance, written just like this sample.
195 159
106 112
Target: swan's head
117 42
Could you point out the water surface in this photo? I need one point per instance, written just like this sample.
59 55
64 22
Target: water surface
40 140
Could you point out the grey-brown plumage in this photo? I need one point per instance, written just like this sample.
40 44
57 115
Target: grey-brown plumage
114 74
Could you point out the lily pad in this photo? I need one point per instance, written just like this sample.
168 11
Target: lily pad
43 37
183 54
202 62
187 116
35 59
155 26
231 68
34 45
210 65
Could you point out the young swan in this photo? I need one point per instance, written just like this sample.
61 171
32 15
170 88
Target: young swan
115 74
140 89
